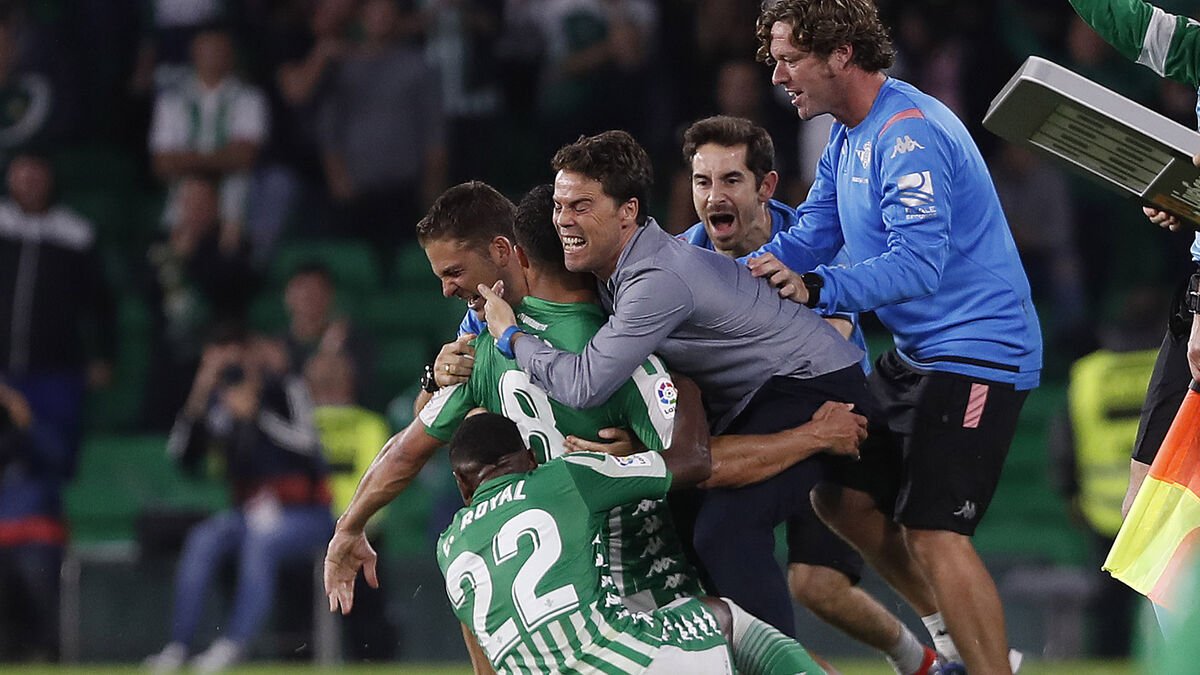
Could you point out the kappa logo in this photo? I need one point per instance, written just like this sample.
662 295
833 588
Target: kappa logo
966 511
864 154
905 145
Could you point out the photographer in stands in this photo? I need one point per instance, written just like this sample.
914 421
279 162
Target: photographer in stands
262 427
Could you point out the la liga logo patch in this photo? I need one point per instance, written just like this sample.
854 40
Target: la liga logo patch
666 396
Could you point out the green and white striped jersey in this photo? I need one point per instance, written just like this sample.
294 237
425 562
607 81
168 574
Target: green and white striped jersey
644 552
524 570
1166 43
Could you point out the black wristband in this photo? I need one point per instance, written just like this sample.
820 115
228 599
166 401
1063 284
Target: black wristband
814 283
428 381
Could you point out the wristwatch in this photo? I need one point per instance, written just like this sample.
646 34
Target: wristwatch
814 283
428 381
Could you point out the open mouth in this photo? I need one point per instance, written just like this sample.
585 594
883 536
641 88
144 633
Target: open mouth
475 302
572 243
721 223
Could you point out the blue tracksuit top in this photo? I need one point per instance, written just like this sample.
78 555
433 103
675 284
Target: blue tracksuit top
782 217
907 194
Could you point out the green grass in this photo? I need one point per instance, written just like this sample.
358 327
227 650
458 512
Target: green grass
848 667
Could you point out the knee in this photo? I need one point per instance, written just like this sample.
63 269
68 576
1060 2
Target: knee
931 548
818 588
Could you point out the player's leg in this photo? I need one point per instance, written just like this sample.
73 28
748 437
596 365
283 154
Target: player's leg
758 648
953 461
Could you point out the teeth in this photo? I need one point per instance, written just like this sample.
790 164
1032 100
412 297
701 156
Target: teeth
571 243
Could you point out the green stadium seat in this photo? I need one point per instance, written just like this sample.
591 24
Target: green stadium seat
418 314
398 363
412 269
119 477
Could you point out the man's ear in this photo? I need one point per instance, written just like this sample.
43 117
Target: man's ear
630 209
839 58
522 257
500 249
767 189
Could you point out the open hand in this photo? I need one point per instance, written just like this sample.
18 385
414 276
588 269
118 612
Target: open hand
779 276
614 441
347 553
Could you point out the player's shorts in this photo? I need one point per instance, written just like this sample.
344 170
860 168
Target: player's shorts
935 462
694 642
1168 383
784 403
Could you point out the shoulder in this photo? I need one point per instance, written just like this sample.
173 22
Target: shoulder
904 109
694 235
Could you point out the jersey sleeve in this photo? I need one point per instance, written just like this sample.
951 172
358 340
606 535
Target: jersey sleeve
447 409
1166 43
647 405
605 482
915 177
817 234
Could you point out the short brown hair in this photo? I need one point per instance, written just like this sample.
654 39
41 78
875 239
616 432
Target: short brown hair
614 159
731 132
821 26
473 212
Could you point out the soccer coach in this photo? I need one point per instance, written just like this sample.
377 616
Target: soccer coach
763 364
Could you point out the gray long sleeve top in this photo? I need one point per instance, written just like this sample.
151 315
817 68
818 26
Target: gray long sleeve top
705 315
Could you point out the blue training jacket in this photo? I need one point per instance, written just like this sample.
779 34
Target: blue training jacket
955 298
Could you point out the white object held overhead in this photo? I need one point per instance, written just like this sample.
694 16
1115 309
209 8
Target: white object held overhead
1100 133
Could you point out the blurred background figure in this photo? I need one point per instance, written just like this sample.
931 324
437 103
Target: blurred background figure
382 134
34 468
56 309
212 123
262 428
316 327
197 274
352 436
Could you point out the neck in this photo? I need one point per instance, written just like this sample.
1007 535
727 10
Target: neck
862 88
562 286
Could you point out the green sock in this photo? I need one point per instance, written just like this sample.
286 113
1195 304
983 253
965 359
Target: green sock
760 649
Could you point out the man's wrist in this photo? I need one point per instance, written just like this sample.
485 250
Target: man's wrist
504 344
813 283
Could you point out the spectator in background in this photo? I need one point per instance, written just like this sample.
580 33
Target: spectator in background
382 135
212 124
1090 444
315 328
461 42
302 41
196 275
263 428
34 468
168 28
57 316
352 436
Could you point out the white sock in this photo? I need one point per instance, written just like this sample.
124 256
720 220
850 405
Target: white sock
907 654
941 637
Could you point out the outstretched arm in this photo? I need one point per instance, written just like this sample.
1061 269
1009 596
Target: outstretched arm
394 467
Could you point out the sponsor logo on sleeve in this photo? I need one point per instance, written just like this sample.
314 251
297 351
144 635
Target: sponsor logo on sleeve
632 460
666 396
915 191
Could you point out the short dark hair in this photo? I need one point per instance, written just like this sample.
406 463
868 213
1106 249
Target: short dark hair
483 439
616 160
731 132
821 26
534 227
313 267
474 212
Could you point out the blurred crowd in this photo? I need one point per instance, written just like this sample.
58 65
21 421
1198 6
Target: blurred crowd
255 123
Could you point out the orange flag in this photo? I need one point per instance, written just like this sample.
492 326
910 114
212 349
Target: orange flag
1158 539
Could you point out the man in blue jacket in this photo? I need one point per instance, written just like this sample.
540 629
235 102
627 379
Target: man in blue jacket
898 170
